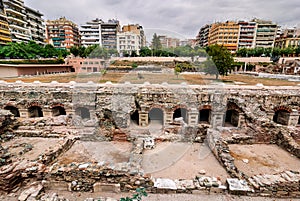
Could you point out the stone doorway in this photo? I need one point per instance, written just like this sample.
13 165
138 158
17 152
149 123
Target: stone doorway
282 117
35 111
181 112
156 116
58 111
232 118
204 116
13 110
83 112
134 117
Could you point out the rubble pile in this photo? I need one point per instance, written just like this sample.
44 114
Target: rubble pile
287 142
281 185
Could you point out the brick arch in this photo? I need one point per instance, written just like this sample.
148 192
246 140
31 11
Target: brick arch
34 104
205 107
231 105
283 108
180 106
57 105
157 106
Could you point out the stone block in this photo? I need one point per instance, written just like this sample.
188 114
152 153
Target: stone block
102 187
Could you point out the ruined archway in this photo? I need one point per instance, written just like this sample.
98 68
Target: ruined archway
156 116
83 112
13 110
204 116
232 116
35 111
58 111
181 112
134 117
282 115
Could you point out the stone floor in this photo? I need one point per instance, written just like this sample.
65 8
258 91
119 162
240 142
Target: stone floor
109 152
263 159
182 161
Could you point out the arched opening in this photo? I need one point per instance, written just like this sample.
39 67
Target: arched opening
204 116
180 112
232 118
156 116
13 110
282 117
58 111
35 111
83 112
135 117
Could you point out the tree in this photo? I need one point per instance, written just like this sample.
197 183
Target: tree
75 51
156 44
222 59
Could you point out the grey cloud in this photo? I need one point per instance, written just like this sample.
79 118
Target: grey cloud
184 17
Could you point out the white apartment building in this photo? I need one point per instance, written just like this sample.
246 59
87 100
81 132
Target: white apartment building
127 42
16 17
90 33
36 26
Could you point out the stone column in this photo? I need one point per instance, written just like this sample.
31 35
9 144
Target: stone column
70 111
23 113
270 115
143 118
193 117
293 119
168 117
47 112
217 119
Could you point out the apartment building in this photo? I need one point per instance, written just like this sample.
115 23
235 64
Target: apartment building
4 28
226 34
247 34
168 42
62 33
137 29
36 26
266 32
98 32
203 36
127 42
288 38
16 16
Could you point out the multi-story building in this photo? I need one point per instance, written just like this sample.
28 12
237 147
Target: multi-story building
137 29
203 35
127 42
288 38
225 34
266 32
62 33
90 33
16 16
168 42
36 26
247 34
98 32
4 28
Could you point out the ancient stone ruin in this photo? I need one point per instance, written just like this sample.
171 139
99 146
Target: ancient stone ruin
99 137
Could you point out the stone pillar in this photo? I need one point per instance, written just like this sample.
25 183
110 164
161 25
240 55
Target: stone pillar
293 119
70 111
270 115
168 117
193 117
143 118
23 113
47 112
217 119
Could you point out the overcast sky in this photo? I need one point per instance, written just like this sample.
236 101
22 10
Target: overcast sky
180 17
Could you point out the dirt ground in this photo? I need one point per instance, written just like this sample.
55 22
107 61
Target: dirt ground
263 159
182 161
108 152
39 145
154 78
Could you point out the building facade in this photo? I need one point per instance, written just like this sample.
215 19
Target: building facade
98 32
225 34
136 29
288 38
17 20
168 42
86 65
203 36
62 33
247 34
266 32
36 26
5 36
128 42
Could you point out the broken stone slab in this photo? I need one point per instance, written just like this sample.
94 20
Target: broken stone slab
104 187
165 184
32 192
236 185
